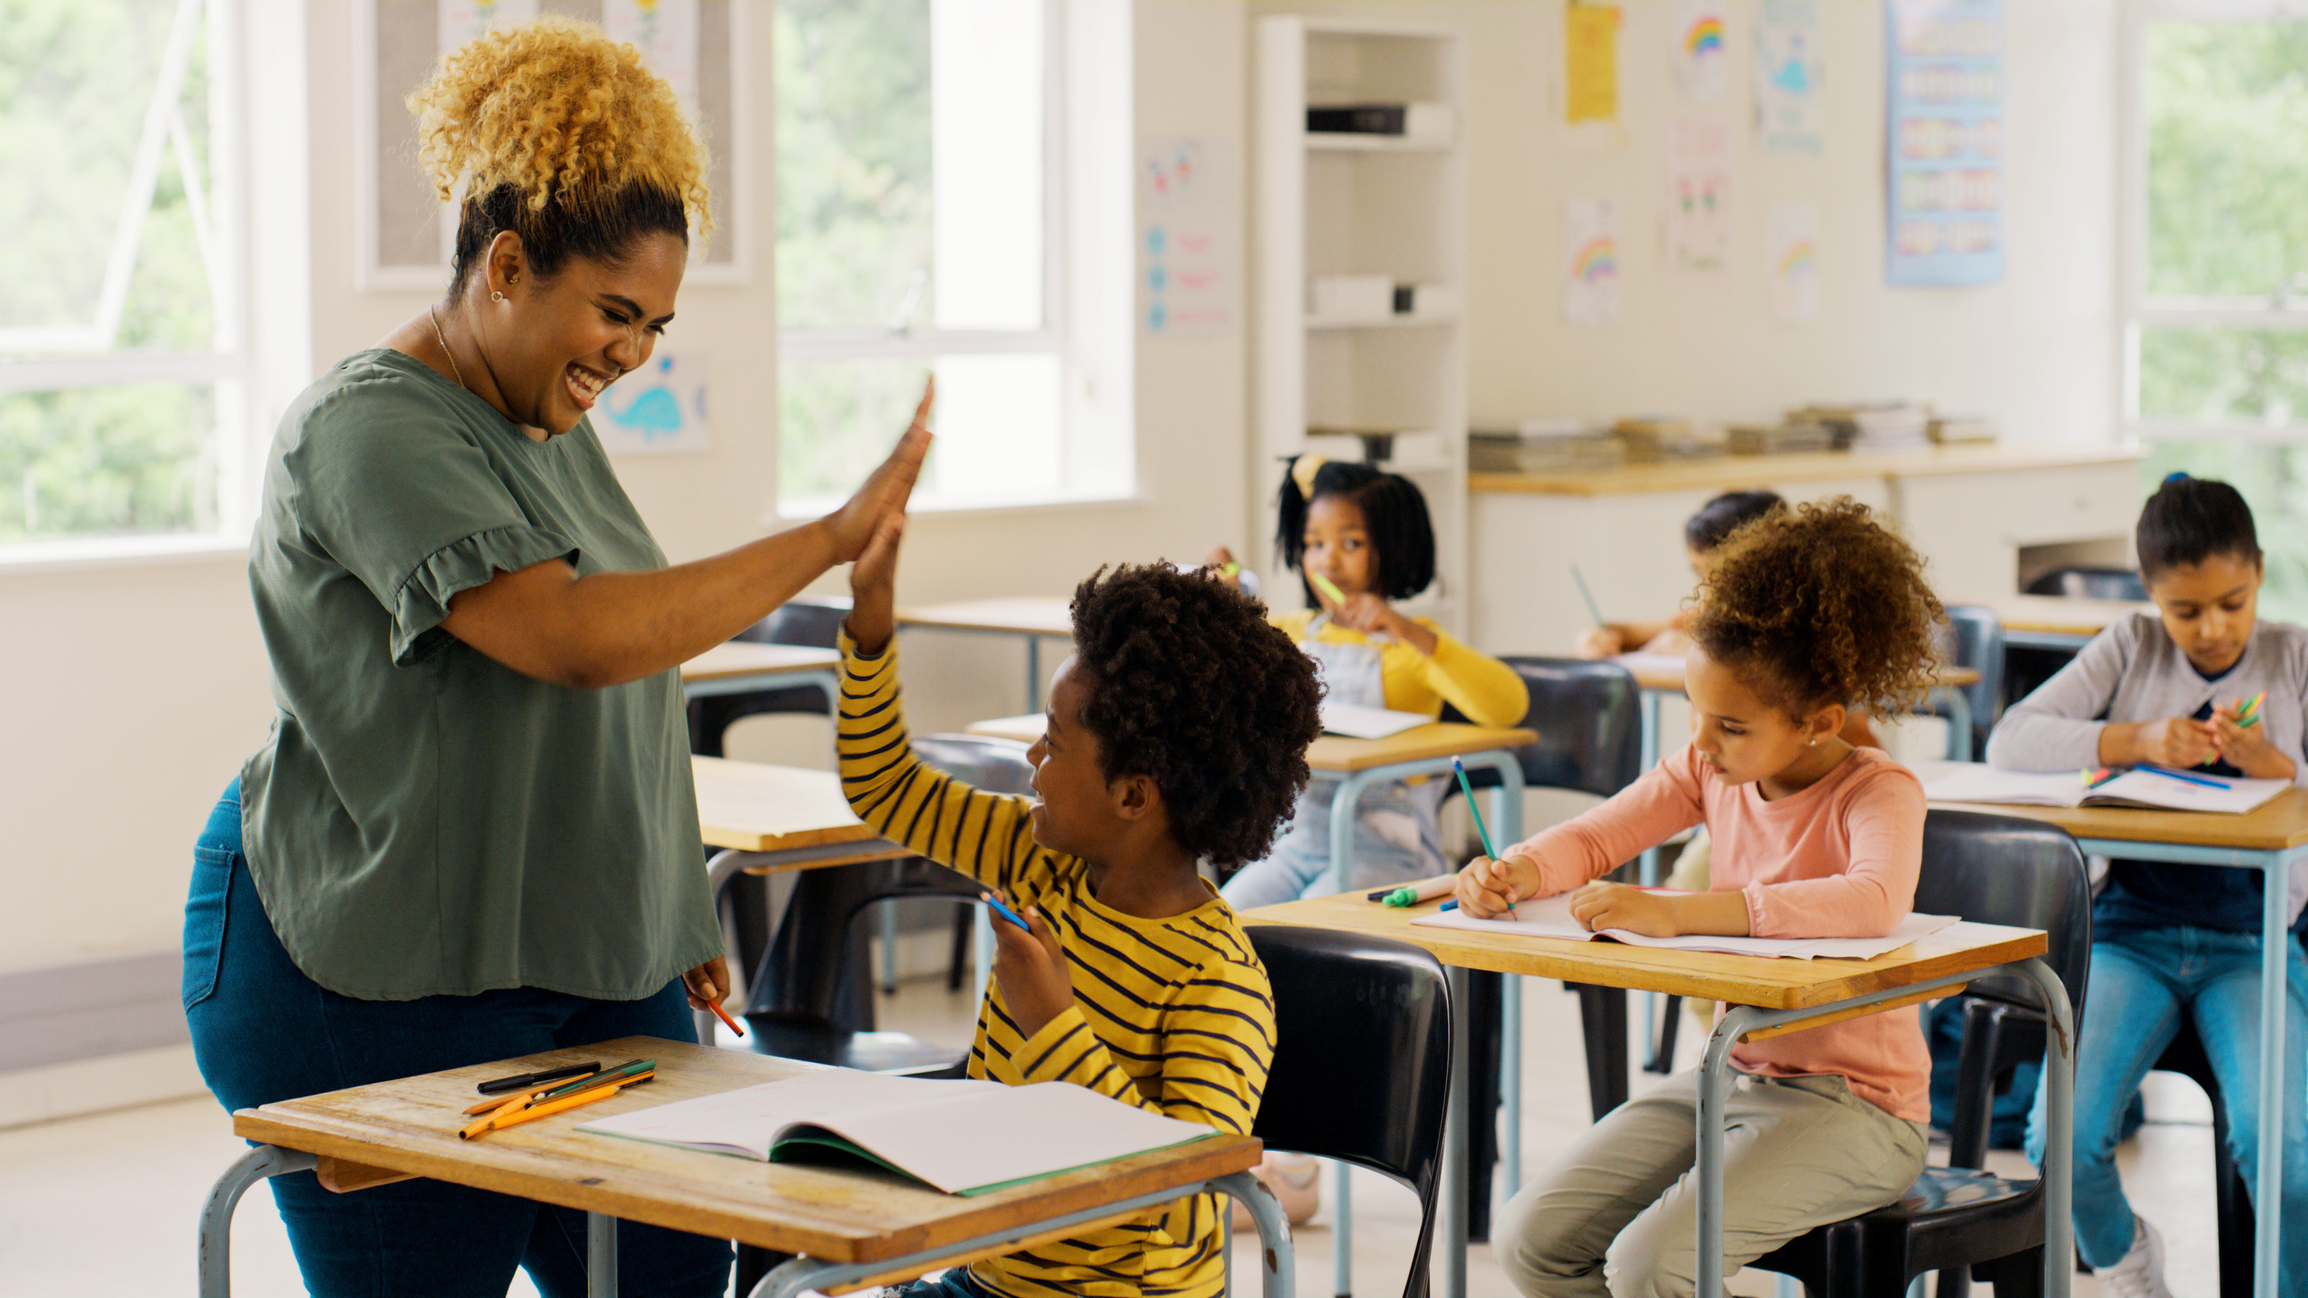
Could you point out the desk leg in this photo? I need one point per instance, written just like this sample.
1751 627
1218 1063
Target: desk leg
1451 1216
1277 1266
2268 1197
1647 873
2058 1172
1507 816
1342 1229
1958 725
600 1255
216 1214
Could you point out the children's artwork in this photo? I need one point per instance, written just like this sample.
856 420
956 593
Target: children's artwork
657 409
1944 73
1590 63
665 31
1787 70
1187 236
1590 262
1698 193
1702 49
462 20
1794 260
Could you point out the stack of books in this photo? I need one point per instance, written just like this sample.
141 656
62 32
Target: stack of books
1962 430
1544 446
1872 425
1650 438
1789 437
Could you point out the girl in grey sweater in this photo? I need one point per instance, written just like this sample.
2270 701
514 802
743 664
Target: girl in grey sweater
2179 940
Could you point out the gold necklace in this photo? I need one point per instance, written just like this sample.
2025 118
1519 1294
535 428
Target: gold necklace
443 339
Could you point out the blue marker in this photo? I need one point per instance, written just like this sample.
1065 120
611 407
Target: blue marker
2184 779
1004 911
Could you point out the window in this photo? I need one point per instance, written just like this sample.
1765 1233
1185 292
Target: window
120 351
953 195
2215 262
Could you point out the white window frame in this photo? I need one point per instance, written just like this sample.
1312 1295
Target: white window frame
2136 309
255 367
1085 74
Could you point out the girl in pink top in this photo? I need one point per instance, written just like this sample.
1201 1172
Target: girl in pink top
1810 612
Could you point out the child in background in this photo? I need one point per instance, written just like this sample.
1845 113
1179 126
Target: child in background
1177 732
1366 532
2179 940
1806 613
1703 534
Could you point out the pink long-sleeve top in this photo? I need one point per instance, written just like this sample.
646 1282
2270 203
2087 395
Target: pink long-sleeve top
1838 859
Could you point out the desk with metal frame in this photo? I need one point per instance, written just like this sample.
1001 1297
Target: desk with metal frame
1768 998
2057 621
2269 839
1035 617
844 1227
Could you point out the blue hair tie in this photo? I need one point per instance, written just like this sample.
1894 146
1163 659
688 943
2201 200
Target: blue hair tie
2170 478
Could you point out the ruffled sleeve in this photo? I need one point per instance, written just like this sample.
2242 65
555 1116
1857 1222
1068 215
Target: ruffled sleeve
422 603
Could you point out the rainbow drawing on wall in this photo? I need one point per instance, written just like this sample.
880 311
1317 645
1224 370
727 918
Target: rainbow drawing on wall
1702 51
1597 261
1792 231
1590 262
1798 258
1704 38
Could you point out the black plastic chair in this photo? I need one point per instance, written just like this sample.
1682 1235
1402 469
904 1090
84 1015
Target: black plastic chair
1994 870
1362 1060
2090 583
1588 716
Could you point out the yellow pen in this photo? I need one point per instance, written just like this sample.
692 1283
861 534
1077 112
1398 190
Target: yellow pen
1328 589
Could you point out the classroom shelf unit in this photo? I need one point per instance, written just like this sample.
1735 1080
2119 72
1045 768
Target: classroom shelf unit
1334 204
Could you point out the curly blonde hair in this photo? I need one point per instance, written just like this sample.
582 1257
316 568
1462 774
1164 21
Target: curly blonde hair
1820 604
562 136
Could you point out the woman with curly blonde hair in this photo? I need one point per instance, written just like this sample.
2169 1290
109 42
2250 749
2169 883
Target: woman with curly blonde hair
1807 613
472 833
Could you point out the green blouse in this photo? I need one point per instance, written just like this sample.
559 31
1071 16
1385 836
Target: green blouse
424 821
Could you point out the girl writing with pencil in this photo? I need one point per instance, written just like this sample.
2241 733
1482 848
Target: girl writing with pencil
1807 613
2204 685
472 833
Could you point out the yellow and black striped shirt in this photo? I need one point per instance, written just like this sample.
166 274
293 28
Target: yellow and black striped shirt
1173 1015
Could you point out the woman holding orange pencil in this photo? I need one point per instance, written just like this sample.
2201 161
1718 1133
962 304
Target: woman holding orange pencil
472 833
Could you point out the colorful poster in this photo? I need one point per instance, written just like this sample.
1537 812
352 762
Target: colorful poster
1698 193
1590 262
1792 252
665 31
1590 63
657 409
462 20
1787 69
1187 236
1702 49
1944 73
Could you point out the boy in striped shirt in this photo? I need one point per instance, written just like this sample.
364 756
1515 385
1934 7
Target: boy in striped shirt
1177 731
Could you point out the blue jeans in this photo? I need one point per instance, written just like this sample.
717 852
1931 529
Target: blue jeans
262 1032
2143 980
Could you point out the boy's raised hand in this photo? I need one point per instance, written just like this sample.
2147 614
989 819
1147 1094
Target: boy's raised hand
1037 984
1488 889
872 587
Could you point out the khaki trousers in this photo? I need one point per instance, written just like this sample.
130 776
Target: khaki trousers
1615 1215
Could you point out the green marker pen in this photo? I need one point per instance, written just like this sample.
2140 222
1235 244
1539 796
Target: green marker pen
1328 588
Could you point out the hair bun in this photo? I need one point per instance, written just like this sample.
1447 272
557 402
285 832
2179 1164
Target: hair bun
2170 478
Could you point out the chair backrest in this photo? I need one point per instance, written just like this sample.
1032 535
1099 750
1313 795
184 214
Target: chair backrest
2090 583
1975 635
1362 1058
1589 720
995 765
813 621
2005 870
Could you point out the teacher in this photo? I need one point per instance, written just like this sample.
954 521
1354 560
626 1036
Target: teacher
472 833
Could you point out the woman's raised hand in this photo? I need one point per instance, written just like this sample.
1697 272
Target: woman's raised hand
852 527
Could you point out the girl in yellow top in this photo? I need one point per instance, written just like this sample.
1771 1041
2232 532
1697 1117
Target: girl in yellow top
1367 533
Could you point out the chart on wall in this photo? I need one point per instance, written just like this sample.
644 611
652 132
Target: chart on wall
1944 73
406 234
1188 237
1788 62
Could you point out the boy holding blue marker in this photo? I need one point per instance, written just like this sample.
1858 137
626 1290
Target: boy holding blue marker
2203 687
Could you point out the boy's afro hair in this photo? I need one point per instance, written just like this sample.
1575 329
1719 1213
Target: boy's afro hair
1189 684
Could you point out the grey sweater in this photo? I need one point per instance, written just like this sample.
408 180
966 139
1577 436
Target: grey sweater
2134 672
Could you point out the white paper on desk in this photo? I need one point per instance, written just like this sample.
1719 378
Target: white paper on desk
1551 917
1651 663
1975 782
1358 722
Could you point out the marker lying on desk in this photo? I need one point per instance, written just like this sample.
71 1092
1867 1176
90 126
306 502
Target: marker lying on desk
1411 894
1488 849
2175 775
601 1092
525 1081
2094 779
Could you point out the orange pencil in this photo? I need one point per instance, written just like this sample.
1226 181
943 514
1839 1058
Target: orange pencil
723 1015
603 1092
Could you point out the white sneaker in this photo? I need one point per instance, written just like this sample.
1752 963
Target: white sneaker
2141 1272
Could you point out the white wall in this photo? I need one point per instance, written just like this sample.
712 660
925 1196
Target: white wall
135 692
2035 352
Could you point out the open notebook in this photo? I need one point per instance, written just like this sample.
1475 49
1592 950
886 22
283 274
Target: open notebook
2140 787
1551 917
1359 722
964 1137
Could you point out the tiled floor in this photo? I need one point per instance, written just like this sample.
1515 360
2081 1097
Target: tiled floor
104 1206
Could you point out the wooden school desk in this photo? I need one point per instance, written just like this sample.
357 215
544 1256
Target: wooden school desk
1362 763
1661 675
1031 616
1768 997
849 1228
2269 839
742 667
771 818
2057 622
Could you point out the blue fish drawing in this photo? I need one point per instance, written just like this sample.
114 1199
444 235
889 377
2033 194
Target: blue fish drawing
653 413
